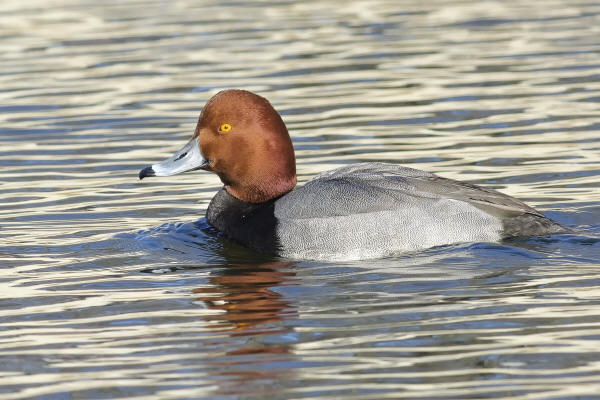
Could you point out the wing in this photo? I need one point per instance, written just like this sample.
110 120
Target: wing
373 187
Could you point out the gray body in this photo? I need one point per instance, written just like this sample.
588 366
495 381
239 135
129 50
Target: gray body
372 210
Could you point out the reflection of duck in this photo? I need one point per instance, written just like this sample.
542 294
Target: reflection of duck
248 311
358 211
244 293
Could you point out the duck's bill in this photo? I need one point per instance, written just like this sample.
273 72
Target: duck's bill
188 158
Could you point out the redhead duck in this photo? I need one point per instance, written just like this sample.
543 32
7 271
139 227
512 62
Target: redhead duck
365 210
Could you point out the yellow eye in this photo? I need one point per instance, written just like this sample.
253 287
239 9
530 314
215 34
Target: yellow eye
224 128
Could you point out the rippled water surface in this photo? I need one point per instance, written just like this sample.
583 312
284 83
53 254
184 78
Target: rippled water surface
116 288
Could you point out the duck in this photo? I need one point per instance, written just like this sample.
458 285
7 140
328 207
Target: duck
358 211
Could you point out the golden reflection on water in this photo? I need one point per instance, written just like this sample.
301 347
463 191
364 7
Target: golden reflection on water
242 301
246 298
503 94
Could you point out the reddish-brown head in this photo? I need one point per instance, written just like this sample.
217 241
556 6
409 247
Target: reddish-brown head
241 138
247 144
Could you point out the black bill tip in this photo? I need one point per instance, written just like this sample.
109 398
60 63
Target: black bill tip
148 171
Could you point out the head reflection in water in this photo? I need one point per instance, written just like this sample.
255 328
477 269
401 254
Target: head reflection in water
250 312
244 294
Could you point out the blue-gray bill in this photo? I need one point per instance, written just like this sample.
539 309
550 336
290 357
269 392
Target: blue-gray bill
188 158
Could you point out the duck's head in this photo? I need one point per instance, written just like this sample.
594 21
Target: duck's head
242 139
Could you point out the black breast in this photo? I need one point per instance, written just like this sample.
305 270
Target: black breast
253 225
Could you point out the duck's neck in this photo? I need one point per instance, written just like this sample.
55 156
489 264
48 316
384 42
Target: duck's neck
262 190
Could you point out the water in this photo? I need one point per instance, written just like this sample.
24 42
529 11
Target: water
116 288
